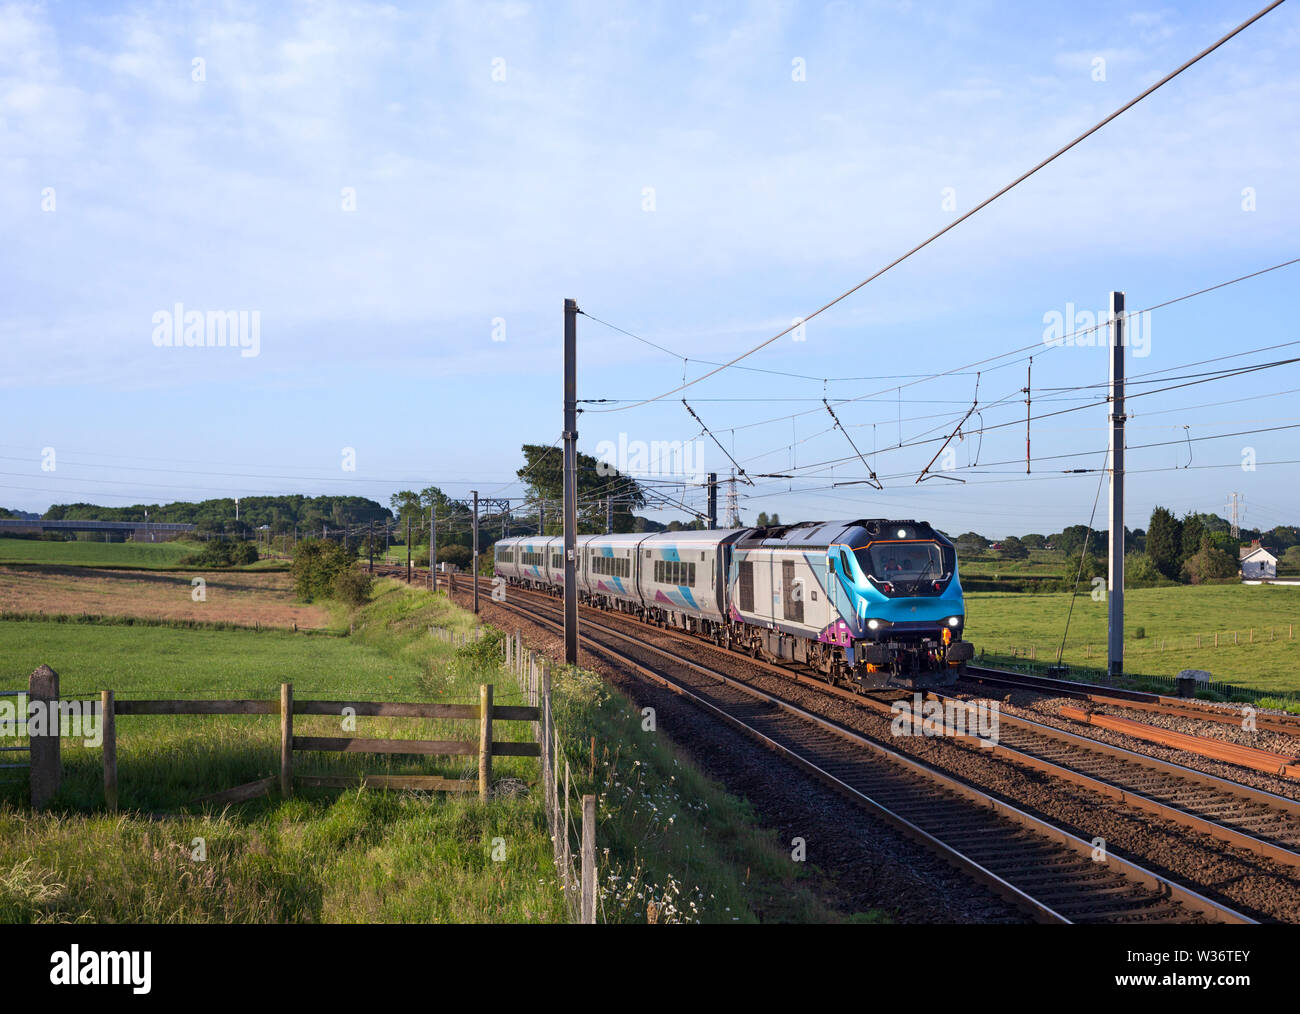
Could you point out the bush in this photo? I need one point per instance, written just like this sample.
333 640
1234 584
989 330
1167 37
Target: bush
223 554
353 587
457 555
1013 549
1209 564
1139 633
1140 571
316 565
1082 569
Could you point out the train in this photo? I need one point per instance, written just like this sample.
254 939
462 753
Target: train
871 603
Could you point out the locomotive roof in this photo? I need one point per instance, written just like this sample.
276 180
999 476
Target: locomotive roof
826 533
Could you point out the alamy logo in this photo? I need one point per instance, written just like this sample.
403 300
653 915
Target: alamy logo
919 717
75 719
76 967
678 459
1083 328
194 329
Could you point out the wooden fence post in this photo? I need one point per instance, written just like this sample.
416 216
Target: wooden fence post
484 740
108 730
589 860
286 740
46 770
519 650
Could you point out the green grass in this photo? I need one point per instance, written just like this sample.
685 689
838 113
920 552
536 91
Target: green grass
397 555
1040 563
670 840
358 855
121 555
321 856
1172 617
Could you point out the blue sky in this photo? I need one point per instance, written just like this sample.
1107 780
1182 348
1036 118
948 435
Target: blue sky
499 156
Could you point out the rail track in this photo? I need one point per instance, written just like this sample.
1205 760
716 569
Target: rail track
1138 700
1252 819
1042 868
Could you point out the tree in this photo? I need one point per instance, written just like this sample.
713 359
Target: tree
1209 564
1083 567
1013 549
1034 541
543 475
316 565
970 542
1165 542
1140 572
1071 540
761 520
776 518
1281 538
456 555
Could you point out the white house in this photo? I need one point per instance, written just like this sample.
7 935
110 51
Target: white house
1257 562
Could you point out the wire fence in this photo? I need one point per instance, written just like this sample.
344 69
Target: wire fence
9 764
570 815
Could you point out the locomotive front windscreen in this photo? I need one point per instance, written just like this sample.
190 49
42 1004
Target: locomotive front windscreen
906 564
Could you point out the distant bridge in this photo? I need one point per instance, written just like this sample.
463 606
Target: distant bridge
140 531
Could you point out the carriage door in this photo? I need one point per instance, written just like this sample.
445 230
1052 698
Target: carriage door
792 596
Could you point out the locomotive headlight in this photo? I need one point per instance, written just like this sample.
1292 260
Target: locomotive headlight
902 533
873 624
954 621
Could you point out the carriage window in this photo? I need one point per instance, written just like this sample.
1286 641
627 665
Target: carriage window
747 586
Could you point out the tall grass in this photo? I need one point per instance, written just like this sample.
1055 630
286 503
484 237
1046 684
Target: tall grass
673 846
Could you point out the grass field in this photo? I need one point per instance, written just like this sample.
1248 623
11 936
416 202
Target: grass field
129 555
355 855
1040 563
234 597
1172 618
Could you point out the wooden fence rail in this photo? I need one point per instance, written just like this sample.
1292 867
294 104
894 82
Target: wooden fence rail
485 713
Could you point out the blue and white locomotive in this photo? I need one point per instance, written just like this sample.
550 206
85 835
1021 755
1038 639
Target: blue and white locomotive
873 602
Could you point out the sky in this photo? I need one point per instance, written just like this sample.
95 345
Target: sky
402 196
